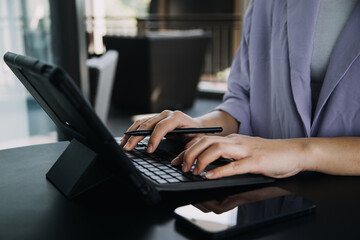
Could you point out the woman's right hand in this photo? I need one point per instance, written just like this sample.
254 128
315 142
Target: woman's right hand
161 123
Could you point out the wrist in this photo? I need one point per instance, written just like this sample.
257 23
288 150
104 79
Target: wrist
203 122
219 119
308 151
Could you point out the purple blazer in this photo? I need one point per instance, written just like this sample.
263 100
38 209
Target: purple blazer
269 85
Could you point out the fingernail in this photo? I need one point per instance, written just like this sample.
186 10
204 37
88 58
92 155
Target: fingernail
150 148
209 174
184 167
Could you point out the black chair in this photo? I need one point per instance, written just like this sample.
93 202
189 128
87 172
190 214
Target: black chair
158 71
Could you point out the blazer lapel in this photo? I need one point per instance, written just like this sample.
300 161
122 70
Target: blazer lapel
346 50
301 20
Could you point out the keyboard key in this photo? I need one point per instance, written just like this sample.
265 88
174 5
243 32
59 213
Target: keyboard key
176 174
183 179
153 169
155 177
167 176
173 180
159 169
165 167
161 181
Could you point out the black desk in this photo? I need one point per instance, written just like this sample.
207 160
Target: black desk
31 208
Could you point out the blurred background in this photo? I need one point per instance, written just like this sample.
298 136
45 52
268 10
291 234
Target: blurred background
129 57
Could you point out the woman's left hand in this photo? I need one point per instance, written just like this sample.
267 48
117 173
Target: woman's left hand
274 158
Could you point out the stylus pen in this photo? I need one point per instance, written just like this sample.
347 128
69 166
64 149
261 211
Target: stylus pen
177 131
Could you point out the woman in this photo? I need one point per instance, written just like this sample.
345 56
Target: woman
294 96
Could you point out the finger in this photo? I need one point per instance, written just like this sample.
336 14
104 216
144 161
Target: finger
132 142
160 130
215 151
124 140
192 153
178 160
205 153
163 127
245 165
134 126
149 123
193 141
223 149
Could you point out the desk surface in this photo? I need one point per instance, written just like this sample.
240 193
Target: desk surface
31 208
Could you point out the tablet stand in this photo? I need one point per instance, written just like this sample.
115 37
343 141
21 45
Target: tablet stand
77 169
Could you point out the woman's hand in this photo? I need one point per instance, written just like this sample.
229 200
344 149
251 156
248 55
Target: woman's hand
162 123
274 158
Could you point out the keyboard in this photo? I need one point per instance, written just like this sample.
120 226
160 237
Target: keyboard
157 166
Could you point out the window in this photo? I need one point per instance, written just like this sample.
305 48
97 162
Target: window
24 29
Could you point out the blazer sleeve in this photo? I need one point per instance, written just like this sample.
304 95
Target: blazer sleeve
236 99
